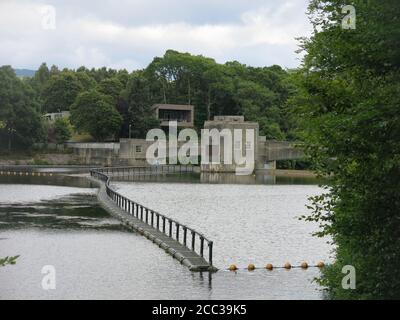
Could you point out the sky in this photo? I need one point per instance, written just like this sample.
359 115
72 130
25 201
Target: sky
130 33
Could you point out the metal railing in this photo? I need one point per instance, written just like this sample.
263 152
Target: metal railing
127 172
185 235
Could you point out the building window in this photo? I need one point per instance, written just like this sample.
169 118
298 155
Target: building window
138 149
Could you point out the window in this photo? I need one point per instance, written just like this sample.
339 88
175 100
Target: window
138 149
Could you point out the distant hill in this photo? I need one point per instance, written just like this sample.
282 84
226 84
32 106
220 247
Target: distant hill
23 73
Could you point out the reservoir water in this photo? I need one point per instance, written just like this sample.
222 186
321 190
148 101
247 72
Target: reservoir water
56 221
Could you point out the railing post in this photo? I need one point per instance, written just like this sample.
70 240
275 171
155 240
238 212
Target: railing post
202 247
141 213
193 240
177 231
210 252
158 221
184 235
147 216
170 228
163 227
152 218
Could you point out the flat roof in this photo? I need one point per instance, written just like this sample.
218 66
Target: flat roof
172 106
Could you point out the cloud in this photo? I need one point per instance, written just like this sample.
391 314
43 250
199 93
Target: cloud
99 33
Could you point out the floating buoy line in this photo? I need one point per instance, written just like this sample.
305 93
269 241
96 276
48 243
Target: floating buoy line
20 173
251 267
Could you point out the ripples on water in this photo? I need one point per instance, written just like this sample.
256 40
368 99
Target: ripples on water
95 257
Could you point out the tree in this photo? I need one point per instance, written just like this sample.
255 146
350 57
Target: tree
62 130
20 123
42 75
61 91
85 80
137 99
215 89
95 113
111 87
348 102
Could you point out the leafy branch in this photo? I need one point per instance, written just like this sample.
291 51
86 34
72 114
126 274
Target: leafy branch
8 260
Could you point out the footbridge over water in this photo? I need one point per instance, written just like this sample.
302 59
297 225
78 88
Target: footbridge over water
190 247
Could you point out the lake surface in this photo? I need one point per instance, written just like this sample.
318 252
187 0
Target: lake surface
95 257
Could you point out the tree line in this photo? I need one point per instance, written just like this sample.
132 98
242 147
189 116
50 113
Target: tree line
110 104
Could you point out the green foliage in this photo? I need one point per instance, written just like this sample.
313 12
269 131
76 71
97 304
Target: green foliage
85 81
37 161
348 107
111 87
60 92
300 164
20 122
94 112
136 106
62 130
259 94
8 260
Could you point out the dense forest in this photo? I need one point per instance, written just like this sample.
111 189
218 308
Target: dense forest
105 102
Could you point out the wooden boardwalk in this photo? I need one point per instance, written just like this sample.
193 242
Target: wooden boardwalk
180 252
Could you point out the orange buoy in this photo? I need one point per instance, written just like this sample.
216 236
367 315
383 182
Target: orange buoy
251 267
320 264
304 265
269 266
232 267
287 266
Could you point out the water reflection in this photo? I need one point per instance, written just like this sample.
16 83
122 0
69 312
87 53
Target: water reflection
54 180
74 211
224 178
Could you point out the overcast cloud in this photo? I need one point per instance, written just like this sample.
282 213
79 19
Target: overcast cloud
129 33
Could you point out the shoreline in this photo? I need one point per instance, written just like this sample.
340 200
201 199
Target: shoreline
30 167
